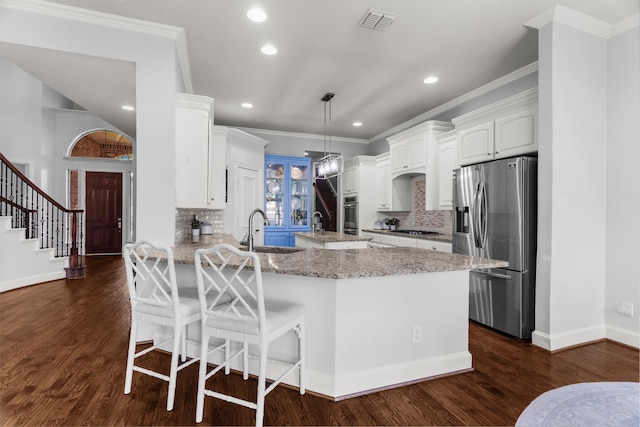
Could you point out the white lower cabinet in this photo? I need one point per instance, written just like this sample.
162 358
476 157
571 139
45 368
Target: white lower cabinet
390 240
434 245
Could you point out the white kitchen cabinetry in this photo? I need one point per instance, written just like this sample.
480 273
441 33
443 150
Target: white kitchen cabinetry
383 182
392 240
392 194
358 179
447 162
415 151
350 178
504 129
200 155
434 245
304 242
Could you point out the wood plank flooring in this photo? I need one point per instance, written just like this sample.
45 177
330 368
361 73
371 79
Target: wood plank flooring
63 348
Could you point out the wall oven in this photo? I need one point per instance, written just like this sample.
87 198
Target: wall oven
351 215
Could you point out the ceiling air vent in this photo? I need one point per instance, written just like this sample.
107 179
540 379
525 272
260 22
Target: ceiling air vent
377 20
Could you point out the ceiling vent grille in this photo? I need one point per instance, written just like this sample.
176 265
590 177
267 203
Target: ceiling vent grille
377 20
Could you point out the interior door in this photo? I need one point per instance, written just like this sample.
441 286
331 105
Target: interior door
103 213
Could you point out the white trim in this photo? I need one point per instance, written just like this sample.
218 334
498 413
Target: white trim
502 81
623 336
112 21
303 135
31 280
93 17
583 22
397 374
571 338
626 25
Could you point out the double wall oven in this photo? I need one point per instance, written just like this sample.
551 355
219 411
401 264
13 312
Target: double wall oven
350 215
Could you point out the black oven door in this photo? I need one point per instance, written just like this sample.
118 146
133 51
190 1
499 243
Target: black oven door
350 214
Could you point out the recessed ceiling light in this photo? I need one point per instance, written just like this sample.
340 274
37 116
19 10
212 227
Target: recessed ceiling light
247 105
431 79
257 15
269 50
357 124
128 107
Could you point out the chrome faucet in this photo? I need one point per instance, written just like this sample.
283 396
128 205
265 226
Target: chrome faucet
250 236
313 216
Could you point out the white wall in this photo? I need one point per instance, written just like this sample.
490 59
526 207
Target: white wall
20 119
157 81
573 182
623 185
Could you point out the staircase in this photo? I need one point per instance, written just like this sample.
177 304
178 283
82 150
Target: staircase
40 240
326 204
22 262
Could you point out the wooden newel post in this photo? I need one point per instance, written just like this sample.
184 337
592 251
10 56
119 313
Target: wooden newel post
75 269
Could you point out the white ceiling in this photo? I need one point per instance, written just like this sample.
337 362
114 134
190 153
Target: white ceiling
377 76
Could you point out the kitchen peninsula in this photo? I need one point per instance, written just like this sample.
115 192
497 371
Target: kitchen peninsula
375 318
330 240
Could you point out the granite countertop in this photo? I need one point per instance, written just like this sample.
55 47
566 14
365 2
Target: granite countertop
348 263
331 236
440 237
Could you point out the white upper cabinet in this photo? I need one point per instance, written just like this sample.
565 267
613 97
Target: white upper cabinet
350 178
383 182
200 155
447 162
504 129
414 151
408 151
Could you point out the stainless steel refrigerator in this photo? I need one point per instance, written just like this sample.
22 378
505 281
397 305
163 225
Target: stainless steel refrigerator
494 216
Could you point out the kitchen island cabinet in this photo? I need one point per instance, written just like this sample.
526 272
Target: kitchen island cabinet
434 242
330 240
362 306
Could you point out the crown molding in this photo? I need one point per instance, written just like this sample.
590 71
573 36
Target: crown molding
304 135
626 25
513 76
572 18
102 19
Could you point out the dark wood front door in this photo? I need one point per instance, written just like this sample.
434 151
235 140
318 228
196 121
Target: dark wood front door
104 213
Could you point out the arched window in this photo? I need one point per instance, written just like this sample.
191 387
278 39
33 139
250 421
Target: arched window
105 144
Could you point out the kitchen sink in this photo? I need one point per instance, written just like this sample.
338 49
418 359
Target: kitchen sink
274 249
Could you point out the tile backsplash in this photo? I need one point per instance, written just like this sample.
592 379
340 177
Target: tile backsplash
184 217
419 218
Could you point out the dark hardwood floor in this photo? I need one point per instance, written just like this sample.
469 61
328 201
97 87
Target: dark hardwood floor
63 348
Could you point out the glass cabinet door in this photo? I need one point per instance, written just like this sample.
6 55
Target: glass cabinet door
275 191
299 194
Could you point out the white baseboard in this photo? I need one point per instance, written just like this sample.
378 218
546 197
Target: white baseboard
623 336
575 337
356 382
31 280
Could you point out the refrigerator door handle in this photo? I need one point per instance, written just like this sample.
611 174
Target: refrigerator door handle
495 275
476 223
482 214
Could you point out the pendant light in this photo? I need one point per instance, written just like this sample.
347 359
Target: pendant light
331 164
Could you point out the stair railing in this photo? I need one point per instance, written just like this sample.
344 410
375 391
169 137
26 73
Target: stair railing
55 226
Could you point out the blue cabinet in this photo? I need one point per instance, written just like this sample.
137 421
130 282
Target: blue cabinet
287 198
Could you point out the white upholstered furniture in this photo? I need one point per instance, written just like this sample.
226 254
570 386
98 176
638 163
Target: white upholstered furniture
154 298
247 319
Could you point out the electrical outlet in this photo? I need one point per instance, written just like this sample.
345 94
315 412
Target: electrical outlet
416 334
626 308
